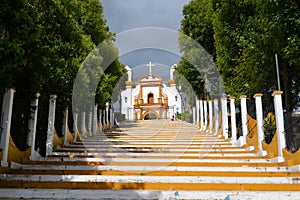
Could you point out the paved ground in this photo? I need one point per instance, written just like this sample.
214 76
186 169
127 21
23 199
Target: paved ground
155 159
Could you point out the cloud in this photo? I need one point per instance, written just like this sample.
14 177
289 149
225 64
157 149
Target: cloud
122 15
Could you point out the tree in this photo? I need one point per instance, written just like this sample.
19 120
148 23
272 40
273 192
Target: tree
246 35
42 47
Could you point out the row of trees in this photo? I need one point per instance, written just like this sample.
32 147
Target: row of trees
243 37
42 47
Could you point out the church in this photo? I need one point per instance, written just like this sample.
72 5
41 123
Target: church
150 97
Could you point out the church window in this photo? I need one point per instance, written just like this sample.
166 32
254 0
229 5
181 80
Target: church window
150 98
175 98
125 99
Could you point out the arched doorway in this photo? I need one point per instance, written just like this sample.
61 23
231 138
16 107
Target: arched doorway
149 115
150 98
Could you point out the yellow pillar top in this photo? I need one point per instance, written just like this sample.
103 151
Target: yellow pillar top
258 95
277 92
243 96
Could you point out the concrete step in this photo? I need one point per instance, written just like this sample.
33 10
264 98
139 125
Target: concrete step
142 161
159 160
201 154
149 182
17 193
185 169
153 149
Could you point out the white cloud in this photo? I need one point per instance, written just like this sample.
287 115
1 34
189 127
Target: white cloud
123 15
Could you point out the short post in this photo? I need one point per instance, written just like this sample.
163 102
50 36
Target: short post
94 123
233 119
82 123
75 126
51 121
32 126
224 117
100 120
90 121
201 116
244 119
260 125
216 114
131 113
65 126
194 115
279 124
205 114
7 105
210 110
111 117
197 114
107 115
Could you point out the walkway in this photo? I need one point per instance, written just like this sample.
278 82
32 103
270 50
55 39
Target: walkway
152 159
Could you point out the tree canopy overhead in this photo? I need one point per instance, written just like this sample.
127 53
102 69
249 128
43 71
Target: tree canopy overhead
243 37
43 44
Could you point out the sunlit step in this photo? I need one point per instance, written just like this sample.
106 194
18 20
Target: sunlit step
151 168
149 179
159 160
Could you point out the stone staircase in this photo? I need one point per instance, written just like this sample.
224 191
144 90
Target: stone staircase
152 159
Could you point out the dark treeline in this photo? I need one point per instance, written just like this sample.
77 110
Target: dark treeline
243 37
43 45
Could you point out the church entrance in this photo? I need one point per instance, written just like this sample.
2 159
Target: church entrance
149 115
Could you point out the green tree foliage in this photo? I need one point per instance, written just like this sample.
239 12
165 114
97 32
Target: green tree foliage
246 35
43 44
196 24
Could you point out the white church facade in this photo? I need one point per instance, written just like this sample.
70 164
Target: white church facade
150 97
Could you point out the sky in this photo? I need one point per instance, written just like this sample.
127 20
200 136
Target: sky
125 15
122 15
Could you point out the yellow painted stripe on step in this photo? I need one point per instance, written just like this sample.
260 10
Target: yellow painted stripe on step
152 186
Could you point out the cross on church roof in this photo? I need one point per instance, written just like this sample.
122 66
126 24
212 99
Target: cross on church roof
150 65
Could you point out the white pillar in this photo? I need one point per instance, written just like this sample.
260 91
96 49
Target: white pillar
89 122
130 113
194 115
94 123
65 126
201 116
7 105
216 114
279 124
51 121
259 121
172 70
100 120
224 117
82 123
233 120
210 110
111 118
129 73
75 125
244 119
32 125
205 114
197 114
106 115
